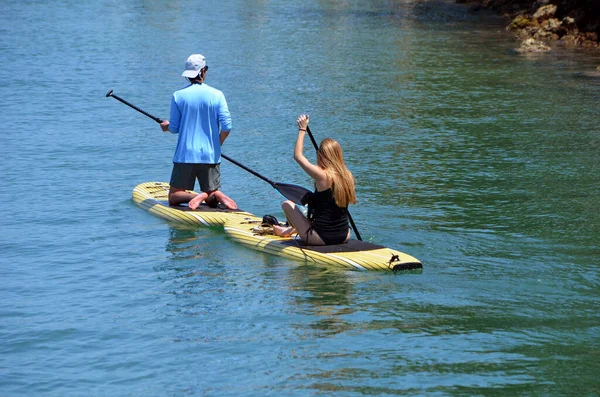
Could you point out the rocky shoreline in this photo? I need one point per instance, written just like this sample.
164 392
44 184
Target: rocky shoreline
543 24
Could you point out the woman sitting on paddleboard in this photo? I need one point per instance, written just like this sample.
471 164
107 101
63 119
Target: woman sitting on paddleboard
327 221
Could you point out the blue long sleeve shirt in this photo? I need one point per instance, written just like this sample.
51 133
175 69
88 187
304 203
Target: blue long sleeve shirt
199 113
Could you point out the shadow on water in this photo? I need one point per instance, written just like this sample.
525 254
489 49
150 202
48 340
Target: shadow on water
325 295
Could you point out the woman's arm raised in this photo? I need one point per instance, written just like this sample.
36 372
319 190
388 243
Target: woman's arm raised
314 171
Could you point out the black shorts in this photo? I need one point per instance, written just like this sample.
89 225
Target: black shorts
184 176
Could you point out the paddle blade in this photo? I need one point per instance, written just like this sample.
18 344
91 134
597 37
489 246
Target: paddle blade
291 192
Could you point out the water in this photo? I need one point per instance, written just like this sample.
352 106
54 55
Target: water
478 161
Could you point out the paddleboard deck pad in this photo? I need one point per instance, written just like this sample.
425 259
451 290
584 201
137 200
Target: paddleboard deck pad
355 254
154 198
243 227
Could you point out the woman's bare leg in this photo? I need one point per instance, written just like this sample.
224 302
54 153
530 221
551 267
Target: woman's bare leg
302 225
283 231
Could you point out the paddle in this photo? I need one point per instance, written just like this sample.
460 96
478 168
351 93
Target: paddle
312 138
157 119
291 192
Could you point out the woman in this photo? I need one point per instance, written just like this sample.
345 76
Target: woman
328 206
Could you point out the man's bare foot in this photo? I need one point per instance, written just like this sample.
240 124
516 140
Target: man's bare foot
283 231
226 201
196 201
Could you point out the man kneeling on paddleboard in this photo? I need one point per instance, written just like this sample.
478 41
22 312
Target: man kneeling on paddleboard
201 118
334 190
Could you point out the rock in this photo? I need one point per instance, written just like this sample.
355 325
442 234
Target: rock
545 12
519 22
552 25
533 45
527 32
551 28
589 39
545 35
569 39
569 23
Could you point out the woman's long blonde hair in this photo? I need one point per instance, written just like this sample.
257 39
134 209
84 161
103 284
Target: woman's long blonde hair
331 159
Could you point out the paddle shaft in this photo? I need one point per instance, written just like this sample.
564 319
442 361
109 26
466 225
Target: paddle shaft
312 138
264 178
157 119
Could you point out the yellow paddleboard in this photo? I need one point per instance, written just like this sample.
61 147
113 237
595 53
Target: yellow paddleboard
244 228
153 197
355 254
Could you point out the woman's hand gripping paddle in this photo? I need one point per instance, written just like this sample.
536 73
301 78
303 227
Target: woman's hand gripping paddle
291 192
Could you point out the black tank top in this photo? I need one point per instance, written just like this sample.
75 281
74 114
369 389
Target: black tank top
328 220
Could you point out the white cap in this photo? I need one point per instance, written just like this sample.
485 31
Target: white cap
193 65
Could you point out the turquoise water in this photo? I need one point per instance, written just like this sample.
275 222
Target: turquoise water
478 161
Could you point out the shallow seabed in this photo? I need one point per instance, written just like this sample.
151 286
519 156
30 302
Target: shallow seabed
481 162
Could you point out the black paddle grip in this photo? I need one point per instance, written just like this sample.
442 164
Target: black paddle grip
157 119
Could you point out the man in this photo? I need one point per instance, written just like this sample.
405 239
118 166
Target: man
199 114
